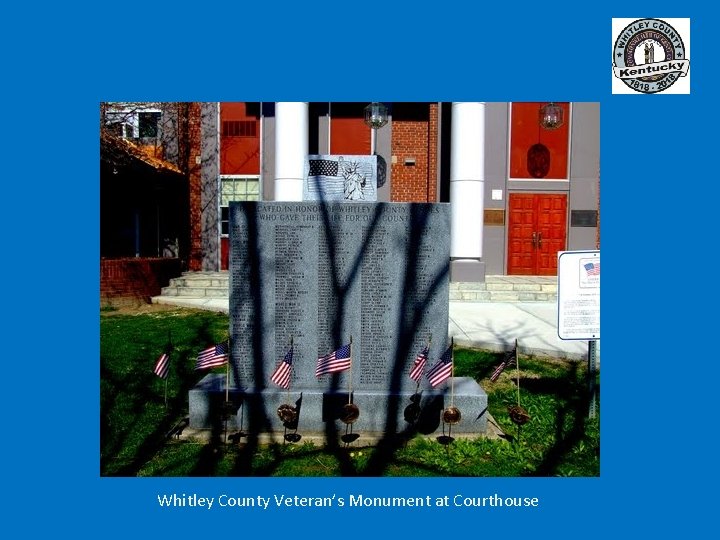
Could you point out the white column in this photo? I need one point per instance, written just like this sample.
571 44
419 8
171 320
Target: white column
291 148
467 180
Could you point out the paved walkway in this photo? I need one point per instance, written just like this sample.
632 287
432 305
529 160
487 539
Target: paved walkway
496 325
487 325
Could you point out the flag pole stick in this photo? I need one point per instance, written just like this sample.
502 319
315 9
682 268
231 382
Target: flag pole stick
169 351
226 409
227 372
452 372
291 370
350 377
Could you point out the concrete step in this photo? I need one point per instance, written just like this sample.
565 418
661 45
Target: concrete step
507 289
199 285
493 289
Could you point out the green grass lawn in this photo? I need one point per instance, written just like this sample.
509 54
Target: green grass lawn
559 439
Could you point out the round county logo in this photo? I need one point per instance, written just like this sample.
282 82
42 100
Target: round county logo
649 56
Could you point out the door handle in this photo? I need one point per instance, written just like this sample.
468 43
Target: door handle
539 239
534 239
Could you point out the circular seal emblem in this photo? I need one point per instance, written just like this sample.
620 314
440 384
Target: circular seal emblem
649 56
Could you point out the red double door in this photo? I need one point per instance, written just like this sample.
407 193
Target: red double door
537 229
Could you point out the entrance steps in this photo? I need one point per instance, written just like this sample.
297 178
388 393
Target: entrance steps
199 285
211 285
506 289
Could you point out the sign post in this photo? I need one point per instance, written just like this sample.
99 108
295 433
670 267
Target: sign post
579 306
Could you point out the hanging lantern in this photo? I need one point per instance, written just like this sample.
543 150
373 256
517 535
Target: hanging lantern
551 116
376 115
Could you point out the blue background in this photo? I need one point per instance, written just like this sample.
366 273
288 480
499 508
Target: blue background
658 208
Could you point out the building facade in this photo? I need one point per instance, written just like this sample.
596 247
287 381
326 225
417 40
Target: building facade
519 191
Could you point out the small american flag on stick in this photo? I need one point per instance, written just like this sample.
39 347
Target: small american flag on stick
442 370
418 367
281 375
334 362
162 366
214 356
509 361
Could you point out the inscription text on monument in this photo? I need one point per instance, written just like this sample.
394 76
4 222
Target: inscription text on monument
321 272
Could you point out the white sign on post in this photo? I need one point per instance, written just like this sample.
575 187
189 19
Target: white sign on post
579 295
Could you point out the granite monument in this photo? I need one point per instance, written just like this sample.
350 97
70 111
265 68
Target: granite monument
319 275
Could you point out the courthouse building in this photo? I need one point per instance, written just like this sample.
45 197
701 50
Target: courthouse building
522 182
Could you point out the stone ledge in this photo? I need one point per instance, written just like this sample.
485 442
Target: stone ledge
317 407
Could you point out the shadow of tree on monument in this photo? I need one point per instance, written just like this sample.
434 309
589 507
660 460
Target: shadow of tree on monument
345 271
409 323
252 405
340 291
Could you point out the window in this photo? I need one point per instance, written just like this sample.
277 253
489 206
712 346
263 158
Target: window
148 124
236 188
239 128
120 129
133 123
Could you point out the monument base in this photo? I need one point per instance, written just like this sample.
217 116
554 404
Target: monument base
256 410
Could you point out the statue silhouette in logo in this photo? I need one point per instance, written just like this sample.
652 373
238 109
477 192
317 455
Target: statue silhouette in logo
649 52
353 181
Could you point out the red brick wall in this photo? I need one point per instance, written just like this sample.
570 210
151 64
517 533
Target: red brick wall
414 135
136 278
433 154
